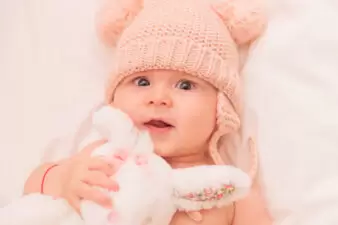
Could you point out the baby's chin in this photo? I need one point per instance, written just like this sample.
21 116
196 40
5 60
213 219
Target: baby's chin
164 152
181 159
167 151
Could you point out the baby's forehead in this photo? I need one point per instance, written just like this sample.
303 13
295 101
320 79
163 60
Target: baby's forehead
164 74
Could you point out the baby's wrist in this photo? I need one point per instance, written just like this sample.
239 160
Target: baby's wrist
45 176
51 180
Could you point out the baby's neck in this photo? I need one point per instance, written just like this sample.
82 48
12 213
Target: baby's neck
188 161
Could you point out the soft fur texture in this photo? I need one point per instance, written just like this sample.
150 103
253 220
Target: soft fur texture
150 190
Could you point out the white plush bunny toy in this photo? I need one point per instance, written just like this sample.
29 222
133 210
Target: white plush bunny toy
150 190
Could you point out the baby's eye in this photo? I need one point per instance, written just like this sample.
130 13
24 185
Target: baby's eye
185 85
141 81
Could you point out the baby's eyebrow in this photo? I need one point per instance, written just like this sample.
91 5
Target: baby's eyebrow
134 76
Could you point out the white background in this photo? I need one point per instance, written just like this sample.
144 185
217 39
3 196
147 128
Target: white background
51 74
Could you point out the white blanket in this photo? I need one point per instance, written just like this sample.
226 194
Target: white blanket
292 78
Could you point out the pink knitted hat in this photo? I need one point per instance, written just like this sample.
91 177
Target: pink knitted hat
198 37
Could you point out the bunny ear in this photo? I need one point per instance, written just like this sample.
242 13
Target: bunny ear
114 17
245 19
143 143
112 123
205 187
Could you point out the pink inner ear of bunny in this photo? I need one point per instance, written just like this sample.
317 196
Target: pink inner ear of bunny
114 17
245 19
141 160
121 154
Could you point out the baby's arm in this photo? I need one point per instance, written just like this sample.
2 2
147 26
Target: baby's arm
34 181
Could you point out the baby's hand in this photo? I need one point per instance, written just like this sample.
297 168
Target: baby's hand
78 176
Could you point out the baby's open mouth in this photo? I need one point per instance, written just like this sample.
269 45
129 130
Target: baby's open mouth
158 124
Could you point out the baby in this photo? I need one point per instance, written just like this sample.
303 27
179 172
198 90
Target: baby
177 77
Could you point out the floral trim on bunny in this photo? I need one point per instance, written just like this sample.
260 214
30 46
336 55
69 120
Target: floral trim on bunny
208 194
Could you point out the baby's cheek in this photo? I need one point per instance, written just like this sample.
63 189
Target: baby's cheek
130 105
200 132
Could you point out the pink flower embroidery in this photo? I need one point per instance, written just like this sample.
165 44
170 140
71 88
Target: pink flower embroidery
208 194
220 196
208 191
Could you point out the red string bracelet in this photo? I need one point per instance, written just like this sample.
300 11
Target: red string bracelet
44 176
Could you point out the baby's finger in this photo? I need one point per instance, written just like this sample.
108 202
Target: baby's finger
91 194
96 178
97 163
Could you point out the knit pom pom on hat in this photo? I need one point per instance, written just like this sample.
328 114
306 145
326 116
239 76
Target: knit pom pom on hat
114 17
245 19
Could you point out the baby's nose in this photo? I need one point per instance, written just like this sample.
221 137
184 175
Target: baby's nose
160 97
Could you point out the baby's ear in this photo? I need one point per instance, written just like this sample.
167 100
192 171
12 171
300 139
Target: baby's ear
205 187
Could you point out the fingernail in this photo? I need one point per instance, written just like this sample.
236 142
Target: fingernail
115 187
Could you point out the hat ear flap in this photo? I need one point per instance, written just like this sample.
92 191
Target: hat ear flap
245 19
114 17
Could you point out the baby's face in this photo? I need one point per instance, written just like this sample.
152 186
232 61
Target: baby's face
177 109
